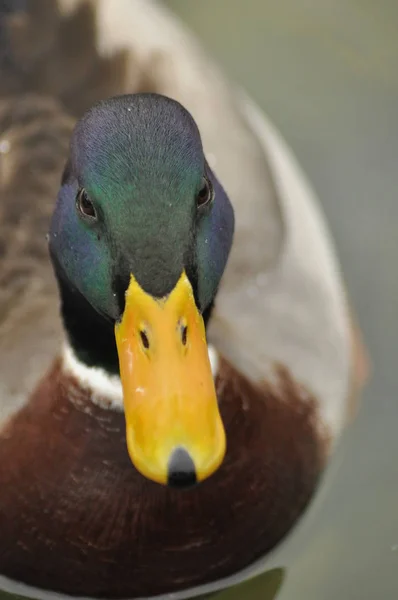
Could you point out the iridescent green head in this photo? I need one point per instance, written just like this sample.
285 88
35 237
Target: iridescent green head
138 197
141 223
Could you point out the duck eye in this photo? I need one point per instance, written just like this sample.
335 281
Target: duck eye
84 205
205 194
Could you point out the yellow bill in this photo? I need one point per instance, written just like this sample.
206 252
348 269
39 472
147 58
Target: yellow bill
174 430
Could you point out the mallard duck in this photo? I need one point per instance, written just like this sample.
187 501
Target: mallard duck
204 335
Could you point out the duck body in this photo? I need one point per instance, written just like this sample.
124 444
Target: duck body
76 516
72 498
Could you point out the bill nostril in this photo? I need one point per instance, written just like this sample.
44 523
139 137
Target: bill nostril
184 334
182 328
144 339
181 469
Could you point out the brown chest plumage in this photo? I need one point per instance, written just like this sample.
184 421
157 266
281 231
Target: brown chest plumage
76 517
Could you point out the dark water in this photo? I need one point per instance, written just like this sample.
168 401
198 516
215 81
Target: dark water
326 71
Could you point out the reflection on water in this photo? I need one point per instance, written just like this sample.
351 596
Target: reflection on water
325 71
264 587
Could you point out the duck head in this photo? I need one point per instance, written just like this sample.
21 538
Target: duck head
139 240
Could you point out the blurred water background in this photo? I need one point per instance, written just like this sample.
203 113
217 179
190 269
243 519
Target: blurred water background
326 72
